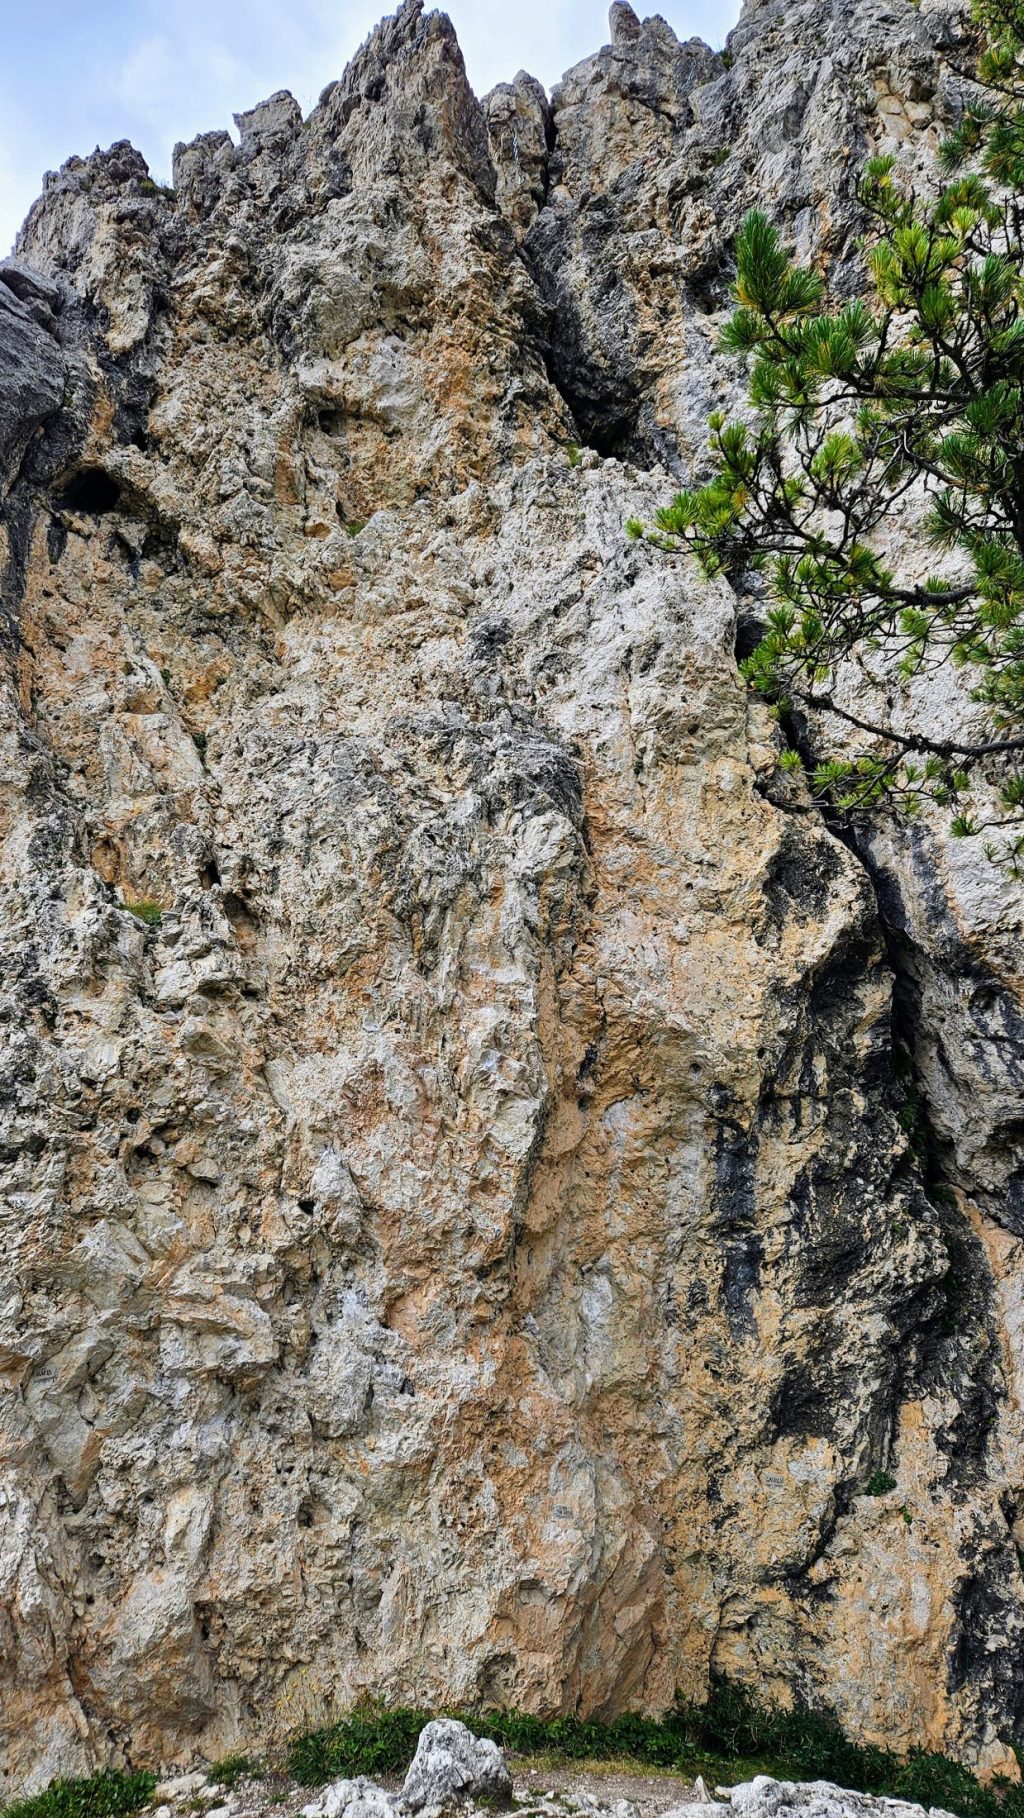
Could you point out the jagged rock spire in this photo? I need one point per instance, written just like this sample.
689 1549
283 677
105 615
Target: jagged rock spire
623 23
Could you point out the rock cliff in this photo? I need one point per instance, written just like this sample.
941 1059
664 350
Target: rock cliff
494 1190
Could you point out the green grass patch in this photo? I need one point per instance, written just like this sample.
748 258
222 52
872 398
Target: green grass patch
106 1795
146 911
610 1767
233 1768
731 1738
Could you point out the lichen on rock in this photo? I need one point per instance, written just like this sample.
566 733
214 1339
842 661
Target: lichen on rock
463 1245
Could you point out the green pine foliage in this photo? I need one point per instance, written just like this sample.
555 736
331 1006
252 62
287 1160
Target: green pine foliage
917 389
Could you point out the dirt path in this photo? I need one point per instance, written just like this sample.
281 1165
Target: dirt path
652 1789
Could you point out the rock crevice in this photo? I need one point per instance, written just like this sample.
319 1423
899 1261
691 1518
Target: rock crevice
461 1238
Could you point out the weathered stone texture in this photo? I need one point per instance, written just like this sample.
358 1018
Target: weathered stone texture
467 1250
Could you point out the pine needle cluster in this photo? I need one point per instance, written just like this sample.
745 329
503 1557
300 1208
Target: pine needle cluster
914 393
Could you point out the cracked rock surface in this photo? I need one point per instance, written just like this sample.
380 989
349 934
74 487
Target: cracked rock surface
460 1238
451 1763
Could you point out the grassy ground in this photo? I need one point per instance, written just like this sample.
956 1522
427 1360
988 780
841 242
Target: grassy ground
731 1738
590 1768
102 1796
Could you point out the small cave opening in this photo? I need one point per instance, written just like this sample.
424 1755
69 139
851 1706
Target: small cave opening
708 291
92 491
610 435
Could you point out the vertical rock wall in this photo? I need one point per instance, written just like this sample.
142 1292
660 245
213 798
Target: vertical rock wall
461 1239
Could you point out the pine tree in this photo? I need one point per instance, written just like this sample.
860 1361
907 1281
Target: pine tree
918 389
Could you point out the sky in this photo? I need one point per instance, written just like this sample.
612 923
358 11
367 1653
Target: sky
82 73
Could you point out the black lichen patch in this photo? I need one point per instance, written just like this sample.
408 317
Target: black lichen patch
798 879
953 1350
987 1604
801 1406
836 1233
56 540
489 638
749 631
735 1214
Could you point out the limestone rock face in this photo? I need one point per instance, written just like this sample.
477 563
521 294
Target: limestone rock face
32 367
461 1241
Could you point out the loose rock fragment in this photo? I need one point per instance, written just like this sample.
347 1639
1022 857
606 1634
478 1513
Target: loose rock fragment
451 1764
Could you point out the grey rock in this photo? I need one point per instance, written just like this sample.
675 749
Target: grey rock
518 129
359 1798
42 296
182 1786
32 372
764 1797
452 1765
273 122
623 23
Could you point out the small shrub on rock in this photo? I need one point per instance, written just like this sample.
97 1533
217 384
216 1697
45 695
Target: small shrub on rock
232 1769
879 1484
147 910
